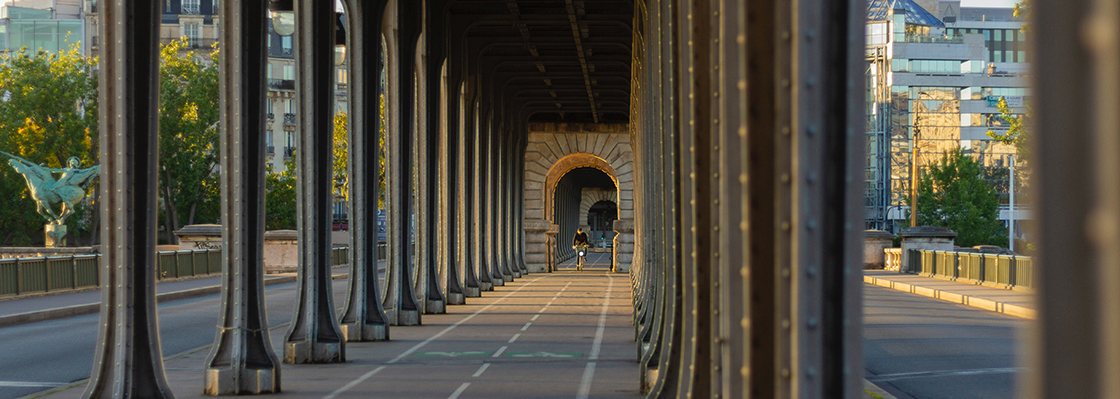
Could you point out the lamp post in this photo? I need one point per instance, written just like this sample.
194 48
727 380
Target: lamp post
283 16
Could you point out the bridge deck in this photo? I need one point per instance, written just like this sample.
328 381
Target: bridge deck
564 334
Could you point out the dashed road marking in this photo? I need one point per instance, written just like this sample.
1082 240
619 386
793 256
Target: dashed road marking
514 338
455 395
526 326
500 350
481 369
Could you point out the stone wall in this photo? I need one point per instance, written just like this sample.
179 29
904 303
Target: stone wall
553 150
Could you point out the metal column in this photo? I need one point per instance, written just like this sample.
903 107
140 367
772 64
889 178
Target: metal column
314 335
128 361
364 318
241 360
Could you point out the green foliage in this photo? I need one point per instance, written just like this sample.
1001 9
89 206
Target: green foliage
280 197
341 157
188 145
1016 134
953 193
48 113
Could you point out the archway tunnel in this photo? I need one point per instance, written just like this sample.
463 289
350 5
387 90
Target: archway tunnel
569 212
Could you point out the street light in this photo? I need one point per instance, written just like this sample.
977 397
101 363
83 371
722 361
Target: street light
340 40
283 17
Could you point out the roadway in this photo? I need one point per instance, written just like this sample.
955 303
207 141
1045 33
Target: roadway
923 348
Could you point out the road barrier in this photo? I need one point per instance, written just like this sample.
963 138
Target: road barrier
56 274
994 270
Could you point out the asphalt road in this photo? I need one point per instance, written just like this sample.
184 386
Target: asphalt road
923 348
39 356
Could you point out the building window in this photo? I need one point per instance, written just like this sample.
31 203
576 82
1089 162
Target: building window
342 79
286 44
191 31
290 106
289 72
190 7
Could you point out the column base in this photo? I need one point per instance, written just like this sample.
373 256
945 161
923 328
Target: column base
249 381
314 352
455 298
435 307
355 332
498 282
408 318
516 274
485 286
472 292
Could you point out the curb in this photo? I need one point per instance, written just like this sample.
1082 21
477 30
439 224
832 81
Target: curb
986 304
874 389
78 310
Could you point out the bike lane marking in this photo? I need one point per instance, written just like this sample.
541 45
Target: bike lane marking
596 346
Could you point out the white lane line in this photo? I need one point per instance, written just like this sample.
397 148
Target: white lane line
535 317
347 387
598 344
455 395
514 338
452 327
31 384
585 384
481 369
526 326
500 350
542 309
416 347
589 371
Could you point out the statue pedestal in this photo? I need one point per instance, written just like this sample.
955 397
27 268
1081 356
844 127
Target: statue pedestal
55 235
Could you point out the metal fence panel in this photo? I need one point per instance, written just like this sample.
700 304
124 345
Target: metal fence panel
86 271
9 277
32 275
60 273
991 267
1023 272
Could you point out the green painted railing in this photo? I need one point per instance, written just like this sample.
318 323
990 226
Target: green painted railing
996 270
54 274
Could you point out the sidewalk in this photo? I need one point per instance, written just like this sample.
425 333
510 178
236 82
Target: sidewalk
1006 301
24 310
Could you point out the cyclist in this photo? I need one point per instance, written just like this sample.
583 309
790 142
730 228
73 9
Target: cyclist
579 243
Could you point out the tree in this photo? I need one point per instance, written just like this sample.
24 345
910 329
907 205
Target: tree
188 145
953 193
341 158
48 113
280 197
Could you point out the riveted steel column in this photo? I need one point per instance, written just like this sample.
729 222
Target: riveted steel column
314 335
241 360
504 226
364 318
519 201
409 21
1074 350
128 361
461 144
478 186
819 112
435 50
453 184
493 145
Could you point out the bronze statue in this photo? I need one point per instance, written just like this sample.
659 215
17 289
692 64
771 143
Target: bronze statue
68 190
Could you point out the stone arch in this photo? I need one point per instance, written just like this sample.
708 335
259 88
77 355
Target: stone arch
553 150
567 164
592 196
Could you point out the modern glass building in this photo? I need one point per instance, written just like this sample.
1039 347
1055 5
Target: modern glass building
41 25
934 78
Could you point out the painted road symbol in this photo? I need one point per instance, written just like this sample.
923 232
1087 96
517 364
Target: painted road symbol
453 354
561 355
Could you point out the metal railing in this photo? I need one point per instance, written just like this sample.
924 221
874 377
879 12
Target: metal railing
56 274
995 270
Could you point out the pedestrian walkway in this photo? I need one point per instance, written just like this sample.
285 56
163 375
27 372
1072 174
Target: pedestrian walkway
1002 300
596 261
560 335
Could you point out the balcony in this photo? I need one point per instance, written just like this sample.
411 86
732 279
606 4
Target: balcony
270 116
289 152
281 84
270 149
192 43
289 119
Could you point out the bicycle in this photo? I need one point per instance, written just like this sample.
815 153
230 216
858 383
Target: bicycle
581 256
